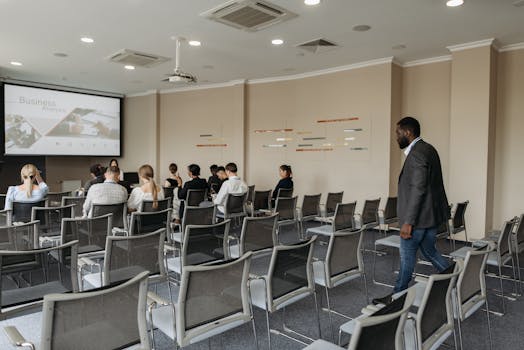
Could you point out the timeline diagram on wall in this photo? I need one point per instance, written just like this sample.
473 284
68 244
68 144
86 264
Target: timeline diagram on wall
351 135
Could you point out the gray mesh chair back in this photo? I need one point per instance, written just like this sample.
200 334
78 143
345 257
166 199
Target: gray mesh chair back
384 329
78 203
285 192
51 218
6 217
205 243
118 210
333 198
434 318
168 192
310 206
2 200
519 232
54 199
128 256
19 237
213 297
22 210
108 318
162 204
91 233
28 275
344 256
195 197
458 219
235 205
344 214
290 273
390 210
146 222
258 233
370 213
262 200
250 193
286 207
198 216
503 245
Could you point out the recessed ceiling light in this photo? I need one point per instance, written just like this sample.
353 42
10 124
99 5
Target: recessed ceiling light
277 41
454 3
60 54
311 2
129 67
15 63
87 40
361 28
194 43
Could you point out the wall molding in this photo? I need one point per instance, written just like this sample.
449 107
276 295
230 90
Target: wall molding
426 61
512 47
472 45
203 87
145 93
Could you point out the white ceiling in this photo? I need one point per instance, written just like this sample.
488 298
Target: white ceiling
31 31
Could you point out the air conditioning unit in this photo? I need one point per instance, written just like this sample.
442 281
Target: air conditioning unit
137 59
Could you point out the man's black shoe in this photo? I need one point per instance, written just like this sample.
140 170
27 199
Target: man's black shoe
384 300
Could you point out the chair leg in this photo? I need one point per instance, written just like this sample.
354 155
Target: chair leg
489 325
254 331
365 282
268 330
317 313
459 332
329 313
502 289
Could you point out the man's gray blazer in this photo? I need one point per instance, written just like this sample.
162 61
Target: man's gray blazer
422 200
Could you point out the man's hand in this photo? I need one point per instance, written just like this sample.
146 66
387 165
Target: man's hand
405 231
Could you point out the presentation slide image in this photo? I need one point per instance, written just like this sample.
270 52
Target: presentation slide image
83 122
19 133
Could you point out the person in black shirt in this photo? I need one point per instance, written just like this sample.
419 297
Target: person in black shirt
286 180
174 179
214 181
196 183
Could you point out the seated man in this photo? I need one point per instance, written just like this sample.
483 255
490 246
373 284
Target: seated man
214 181
97 176
196 183
233 185
108 192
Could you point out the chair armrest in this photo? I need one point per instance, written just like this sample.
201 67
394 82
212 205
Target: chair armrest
16 338
370 309
117 231
155 299
421 279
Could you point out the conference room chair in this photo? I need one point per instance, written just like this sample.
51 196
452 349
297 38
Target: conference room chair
518 245
21 211
76 320
342 263
20 237
148 205
51 222
54 199
78 203
368 219
343 219
168 192
27 275
457 222
147 222
433 323
119 211
258 235
380 330
261 204
328 208
286 208
288 280
250 194
285 192
498 258
6 217
195 197
2 200
387 217
213 299
234 207
194 216
309 210
203 244
125 257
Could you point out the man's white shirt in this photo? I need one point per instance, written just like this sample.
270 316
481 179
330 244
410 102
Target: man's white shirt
233 185
408 149
107 192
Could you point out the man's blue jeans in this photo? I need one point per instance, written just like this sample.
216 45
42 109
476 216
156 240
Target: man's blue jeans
425 239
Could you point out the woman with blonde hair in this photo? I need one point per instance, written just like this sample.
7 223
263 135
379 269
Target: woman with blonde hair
33 188
149 190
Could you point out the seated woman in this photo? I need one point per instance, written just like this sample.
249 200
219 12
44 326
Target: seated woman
114 162
29 191
148 191
174 180
286 181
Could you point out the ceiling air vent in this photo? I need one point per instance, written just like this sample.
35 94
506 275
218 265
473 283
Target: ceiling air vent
137 59
317 46
249 15
519 3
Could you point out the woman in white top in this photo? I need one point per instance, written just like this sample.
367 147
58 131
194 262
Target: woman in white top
148 191
114 162
29 191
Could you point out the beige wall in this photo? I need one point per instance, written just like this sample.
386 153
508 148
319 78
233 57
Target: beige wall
185 116
298 104
509 163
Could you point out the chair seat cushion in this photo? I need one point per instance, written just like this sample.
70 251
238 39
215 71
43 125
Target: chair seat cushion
322 345
325 230
389 241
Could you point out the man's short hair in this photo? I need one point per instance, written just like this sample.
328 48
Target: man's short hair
411 124
96 169
232 167
213 168
220 168
113 170
194 169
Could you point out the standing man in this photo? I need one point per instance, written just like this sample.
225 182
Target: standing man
422 203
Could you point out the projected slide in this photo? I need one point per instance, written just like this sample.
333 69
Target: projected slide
50 122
